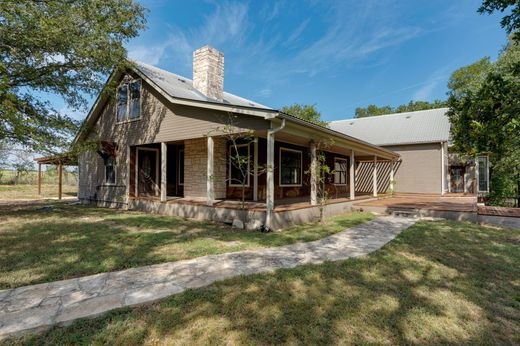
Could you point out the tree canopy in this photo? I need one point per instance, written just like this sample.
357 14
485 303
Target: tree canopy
305 112
485 116
510 22
64 48
373 110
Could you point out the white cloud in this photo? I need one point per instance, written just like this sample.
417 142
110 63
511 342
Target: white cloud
265 92
428 87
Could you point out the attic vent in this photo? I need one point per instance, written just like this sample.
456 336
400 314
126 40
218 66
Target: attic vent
408 116
181 80
352 123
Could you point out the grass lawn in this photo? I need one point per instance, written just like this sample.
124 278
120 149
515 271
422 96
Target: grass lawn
30 191
436 283
70 241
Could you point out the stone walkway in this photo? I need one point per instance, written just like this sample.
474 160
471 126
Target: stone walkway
38 307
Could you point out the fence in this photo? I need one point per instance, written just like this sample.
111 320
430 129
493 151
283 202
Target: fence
11 177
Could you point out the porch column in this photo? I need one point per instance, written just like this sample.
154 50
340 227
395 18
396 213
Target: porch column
255 170
60 179
39 179
374 178
164 182
392 176
443 169
314 166
352 175
270 179
209 180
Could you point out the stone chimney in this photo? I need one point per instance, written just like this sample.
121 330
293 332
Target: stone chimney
208 72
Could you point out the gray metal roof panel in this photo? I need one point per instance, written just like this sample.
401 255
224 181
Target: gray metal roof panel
181 87
426 126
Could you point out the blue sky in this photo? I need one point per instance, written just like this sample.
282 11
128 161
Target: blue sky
338 55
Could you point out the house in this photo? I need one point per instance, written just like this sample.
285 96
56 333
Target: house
159 148
422 140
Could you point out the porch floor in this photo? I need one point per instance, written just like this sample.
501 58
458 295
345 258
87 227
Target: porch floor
281 205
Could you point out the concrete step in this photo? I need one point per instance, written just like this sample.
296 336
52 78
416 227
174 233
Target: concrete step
404 212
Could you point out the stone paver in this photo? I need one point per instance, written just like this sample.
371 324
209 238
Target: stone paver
37 307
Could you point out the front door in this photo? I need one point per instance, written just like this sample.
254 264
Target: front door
457 179
147 172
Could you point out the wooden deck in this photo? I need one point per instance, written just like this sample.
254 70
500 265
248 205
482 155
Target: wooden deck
429 202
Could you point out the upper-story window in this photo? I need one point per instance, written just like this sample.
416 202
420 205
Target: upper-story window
129 100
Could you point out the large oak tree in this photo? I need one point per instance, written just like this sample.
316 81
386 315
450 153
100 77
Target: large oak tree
59 47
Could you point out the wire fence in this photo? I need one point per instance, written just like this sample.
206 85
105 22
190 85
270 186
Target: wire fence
12 177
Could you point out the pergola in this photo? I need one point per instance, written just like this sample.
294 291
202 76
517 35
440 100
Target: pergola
57 160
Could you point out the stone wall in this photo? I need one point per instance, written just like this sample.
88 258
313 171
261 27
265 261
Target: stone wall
195 167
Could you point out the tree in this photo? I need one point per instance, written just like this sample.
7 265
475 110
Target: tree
412 106
305 112
65 48
485 117
510 22
323 174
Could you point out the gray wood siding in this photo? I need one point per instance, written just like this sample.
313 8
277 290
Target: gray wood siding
420 170
161 121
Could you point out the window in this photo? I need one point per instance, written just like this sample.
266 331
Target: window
129 100
340 171
482 174
110 170
290 167
181 167
239 165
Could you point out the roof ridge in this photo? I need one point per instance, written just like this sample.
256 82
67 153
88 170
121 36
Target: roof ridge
387 115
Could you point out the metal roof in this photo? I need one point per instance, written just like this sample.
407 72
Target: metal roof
181 87
426 126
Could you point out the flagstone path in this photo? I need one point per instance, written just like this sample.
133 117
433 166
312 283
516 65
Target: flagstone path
37 307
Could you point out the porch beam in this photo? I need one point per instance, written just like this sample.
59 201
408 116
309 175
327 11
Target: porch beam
164 181
39 179
60 180
255 169
374 178
210 165
314 166
352 175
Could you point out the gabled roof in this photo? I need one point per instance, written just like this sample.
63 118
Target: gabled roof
428 126
180 87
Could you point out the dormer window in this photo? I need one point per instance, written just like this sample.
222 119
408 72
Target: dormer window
129 100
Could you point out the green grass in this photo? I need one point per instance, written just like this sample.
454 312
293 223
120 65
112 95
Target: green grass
436 283
70 241
29 191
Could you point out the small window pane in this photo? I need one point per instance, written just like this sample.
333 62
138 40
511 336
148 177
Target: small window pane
239 171
290 167
482 174
122 98
340 171
135 100
110 172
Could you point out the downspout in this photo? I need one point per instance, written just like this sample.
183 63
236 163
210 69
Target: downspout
270 173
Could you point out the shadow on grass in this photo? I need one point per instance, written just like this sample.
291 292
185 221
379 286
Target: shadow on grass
437 283
42 244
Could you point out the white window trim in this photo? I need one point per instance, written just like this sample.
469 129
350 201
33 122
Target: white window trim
127 113
280 167
336 158
105 182
248 164
179 168
137 168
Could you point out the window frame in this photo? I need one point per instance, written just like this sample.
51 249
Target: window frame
114 167
477 171
127 82
280 167
337 158
248 164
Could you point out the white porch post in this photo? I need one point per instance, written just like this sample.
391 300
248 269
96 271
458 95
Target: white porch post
314 163
443 170
163 171
209 181
270 179
352 175
374 177
392 176
255 170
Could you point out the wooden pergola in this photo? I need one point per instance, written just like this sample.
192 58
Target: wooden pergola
58 160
